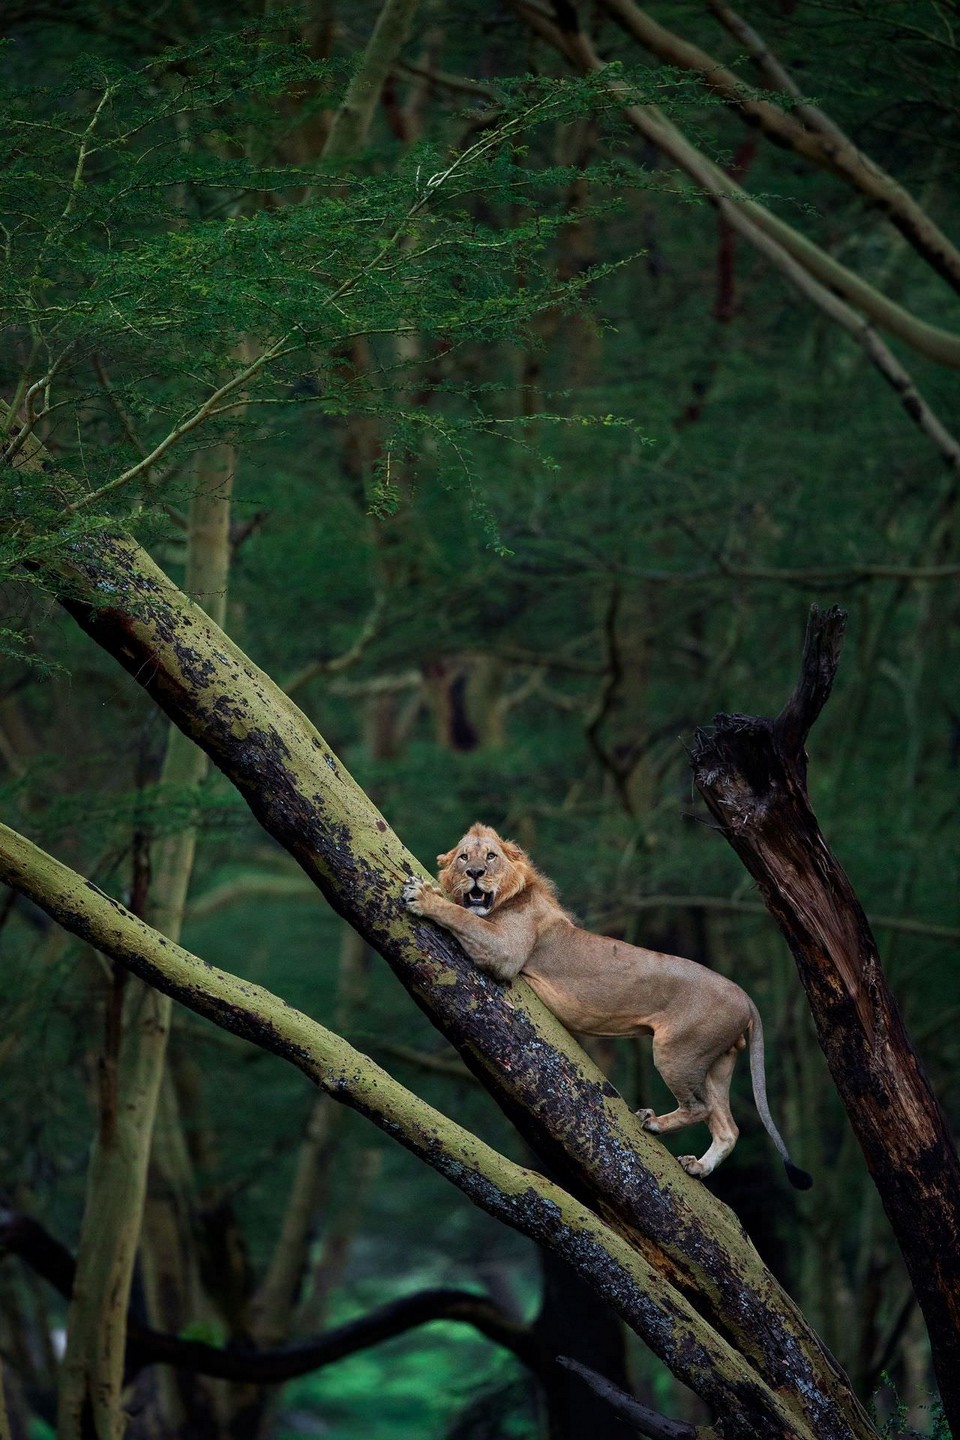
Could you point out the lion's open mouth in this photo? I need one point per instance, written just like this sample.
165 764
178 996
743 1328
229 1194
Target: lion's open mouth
478 899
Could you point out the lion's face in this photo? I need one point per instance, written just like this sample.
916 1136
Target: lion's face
483 871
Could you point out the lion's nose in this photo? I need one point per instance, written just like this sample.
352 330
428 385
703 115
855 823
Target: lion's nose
475 874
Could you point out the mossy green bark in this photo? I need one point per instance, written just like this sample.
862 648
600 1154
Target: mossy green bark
528 1202
305 798
566 1109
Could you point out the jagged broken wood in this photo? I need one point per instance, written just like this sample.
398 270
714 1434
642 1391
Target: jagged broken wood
752 772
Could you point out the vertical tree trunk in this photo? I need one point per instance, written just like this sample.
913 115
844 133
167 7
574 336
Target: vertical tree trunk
752 772
171 1266
92 1378
351 123
92 1375
573 1321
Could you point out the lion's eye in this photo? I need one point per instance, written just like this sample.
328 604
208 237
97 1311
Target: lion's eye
463 856
491 854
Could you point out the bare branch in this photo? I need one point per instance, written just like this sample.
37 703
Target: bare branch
833 152
818 669
648 1422
25 1237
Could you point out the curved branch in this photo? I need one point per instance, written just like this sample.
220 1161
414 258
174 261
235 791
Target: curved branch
25 1237
937 344
832 151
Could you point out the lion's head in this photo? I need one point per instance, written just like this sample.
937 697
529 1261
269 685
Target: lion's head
484 871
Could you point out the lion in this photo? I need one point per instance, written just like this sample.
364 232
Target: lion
508 919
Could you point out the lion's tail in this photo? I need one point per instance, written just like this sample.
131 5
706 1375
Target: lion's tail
797 1177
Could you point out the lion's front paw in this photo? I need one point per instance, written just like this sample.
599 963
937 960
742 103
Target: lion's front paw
414 894
647 1120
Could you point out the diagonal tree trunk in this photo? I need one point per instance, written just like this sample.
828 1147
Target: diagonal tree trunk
623 1275
752 773
302 795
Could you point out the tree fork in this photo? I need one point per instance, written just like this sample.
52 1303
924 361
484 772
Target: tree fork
752 771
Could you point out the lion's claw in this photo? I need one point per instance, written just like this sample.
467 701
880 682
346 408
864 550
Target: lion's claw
692 1165
413 892
645 1117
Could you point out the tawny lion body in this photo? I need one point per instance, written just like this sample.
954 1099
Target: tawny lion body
507 917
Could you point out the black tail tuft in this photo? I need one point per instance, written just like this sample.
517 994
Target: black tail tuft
798 1178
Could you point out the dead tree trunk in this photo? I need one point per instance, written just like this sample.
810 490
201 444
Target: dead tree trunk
752 773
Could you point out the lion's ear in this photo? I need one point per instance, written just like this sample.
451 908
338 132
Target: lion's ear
513 852
444 860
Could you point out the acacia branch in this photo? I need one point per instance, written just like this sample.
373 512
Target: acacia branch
830 151
649 121
774 73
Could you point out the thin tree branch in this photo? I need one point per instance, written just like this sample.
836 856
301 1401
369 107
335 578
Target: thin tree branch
896 923
647 1422
775 73
833 152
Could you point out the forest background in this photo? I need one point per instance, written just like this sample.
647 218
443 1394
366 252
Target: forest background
438 353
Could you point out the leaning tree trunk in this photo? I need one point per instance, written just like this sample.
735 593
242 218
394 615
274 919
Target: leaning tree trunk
302 795
752 773
619 1272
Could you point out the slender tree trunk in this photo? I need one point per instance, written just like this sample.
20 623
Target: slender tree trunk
752 773
172 1280
4 1420
573 1321
92 1374
92 1377
351 124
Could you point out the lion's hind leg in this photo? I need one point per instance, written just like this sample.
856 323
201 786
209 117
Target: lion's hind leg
688 1085
702 1090
723 1127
